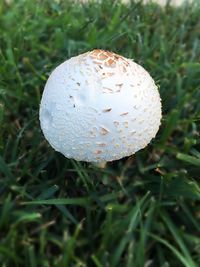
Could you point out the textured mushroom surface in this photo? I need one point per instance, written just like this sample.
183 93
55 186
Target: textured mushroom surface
99 106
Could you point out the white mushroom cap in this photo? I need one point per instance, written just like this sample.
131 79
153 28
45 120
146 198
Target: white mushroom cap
99 107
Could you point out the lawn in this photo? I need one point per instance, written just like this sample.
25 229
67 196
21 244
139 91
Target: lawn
141 211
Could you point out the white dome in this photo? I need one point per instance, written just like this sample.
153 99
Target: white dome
99 107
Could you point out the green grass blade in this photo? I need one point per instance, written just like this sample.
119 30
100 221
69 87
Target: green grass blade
177 254
170 125
189 159
4 168
177 238
59 201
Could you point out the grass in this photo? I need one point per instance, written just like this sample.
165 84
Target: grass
137 212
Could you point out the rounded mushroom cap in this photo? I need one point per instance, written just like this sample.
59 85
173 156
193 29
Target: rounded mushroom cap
99 107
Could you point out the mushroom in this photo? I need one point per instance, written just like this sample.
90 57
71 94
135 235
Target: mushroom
99 107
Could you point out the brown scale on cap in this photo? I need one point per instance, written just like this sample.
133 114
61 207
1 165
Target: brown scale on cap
107 109
101 144
126 124
116 123
124 114
103 131
98 152
109 58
